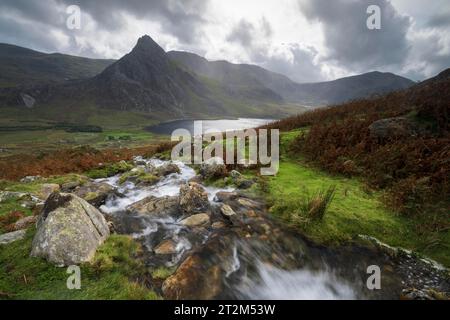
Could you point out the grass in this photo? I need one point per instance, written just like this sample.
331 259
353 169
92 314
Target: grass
316 206
355 209
26 142
113 274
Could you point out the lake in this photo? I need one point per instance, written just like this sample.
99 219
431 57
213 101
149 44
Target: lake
215 125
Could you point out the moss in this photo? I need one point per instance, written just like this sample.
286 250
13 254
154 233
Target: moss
140 176
162 273
110 275
91 196
109 170
147 178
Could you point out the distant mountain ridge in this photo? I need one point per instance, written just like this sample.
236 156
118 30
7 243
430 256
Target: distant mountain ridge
320 93
21 66
173 85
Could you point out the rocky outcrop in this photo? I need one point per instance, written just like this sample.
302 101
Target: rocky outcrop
156 206
95 193
394 128
193 198
69 230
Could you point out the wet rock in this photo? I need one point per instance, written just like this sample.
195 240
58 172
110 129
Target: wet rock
94 192
25 222
218 225
243 183
29 179
224 196
166 169
227 211
196 179
69 230
70 186
156 206
196 220
47 189
193 280
166 247
139 161
10 237
248 203
193 198
213 169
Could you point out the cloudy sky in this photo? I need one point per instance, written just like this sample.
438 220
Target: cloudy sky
307 40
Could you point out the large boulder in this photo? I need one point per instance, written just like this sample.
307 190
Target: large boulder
155 206
193 198
194 280
95 193
213 168
69 230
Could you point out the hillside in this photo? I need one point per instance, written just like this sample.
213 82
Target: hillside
314 94
21 66
398 142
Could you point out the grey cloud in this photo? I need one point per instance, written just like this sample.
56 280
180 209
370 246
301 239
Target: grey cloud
242 33
180 18
26 35
441 20
300 67
350 43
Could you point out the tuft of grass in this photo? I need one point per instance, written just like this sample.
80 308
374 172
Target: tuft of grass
315 206
162 273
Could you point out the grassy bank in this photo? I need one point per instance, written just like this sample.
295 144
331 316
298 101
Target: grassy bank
355 209
116 272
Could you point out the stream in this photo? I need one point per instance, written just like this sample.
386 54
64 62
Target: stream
248 255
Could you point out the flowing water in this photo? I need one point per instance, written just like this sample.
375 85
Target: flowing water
281 266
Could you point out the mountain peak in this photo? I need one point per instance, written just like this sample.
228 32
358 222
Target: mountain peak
146 44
